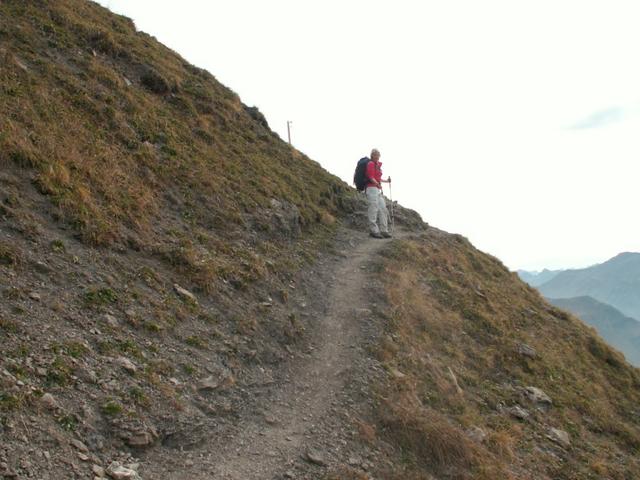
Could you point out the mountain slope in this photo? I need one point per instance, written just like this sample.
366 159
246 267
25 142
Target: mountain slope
118 130
620 331
615 282
475 348
176 282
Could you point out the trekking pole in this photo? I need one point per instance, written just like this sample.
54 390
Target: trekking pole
391 200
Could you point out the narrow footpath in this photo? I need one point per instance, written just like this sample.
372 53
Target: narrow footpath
298 429
293 417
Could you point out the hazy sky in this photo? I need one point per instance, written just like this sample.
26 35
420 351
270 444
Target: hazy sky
515 123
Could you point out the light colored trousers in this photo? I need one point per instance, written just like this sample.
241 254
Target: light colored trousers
377 212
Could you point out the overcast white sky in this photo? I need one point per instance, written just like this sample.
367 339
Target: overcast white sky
515 123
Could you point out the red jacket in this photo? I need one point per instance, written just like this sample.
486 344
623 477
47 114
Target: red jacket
374 171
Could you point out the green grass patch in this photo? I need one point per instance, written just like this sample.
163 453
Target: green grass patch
152 327
111 408
195 341
68 422
58 246
9 401
71 348
138 396
129 346
99 297
58 373
8 326
9 255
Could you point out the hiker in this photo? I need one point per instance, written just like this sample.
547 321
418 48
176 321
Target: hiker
377 213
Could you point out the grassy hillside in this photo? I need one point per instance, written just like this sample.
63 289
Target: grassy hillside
618 330
134 147
465 339
154 232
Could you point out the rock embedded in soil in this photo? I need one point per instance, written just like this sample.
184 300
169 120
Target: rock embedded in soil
98 471
559 436
518 412
536 395
118 472
49 401
526 351
477 434
397 374
208 383
184 293
141 438
127 364
79 445
315 457
111 320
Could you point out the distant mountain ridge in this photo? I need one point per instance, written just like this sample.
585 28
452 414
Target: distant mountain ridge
615 282
617 329
535 278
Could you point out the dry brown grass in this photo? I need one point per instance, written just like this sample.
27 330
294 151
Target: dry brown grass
136 148
9 254
452 309
427 434
503 442
366 431
347 473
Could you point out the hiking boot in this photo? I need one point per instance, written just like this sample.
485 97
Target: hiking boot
375 235
386 234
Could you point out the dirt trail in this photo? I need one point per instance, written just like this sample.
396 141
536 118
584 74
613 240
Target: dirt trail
263 450
295 420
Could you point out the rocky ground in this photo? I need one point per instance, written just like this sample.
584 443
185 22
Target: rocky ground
85 381
301 421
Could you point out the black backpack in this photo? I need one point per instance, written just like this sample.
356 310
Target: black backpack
360 176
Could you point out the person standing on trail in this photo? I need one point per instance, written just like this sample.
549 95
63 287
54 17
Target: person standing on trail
377 212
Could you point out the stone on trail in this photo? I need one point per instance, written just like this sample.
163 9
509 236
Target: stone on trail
315 457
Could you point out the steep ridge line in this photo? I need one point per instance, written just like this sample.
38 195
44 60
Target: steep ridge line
291 422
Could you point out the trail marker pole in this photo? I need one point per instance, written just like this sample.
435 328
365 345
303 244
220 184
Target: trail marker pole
289 122
391 200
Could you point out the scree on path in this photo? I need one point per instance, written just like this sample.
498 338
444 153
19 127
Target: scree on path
293 435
